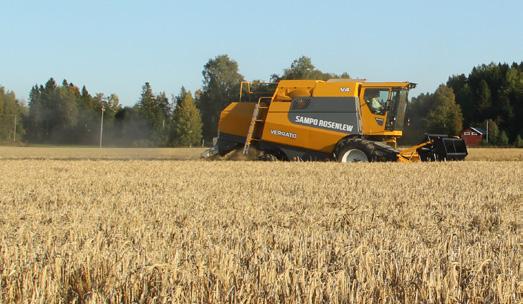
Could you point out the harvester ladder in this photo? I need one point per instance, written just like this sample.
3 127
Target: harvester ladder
256 121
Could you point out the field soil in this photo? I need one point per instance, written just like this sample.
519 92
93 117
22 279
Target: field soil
260 232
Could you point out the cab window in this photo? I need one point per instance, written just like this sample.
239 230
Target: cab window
376 99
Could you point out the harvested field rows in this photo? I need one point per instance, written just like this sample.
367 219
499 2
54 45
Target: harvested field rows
75 153
250 232
85 153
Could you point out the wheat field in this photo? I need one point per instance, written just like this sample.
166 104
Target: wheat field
136 231
495 154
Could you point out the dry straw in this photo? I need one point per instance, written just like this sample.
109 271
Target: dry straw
257 232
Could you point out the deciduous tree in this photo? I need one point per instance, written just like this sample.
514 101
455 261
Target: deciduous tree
302 68
445 115
11 113
221 81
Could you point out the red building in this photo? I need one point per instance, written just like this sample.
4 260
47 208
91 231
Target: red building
472 136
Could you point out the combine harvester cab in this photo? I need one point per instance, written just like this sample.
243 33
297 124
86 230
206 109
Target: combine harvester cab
345 120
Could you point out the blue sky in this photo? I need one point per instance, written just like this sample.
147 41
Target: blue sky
116 46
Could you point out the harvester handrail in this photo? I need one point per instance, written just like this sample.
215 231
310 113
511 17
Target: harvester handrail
248 85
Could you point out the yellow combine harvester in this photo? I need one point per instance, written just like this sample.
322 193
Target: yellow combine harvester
341 119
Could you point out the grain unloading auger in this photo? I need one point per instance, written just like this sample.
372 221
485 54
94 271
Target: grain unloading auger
340 119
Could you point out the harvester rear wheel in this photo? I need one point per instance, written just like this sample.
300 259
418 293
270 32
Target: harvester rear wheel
354 150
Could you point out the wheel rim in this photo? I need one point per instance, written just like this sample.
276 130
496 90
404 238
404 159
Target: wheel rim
354 155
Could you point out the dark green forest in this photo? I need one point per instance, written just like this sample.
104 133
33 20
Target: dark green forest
63 113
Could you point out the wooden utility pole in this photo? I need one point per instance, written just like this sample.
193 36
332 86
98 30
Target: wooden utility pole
102 125
14 129
487 131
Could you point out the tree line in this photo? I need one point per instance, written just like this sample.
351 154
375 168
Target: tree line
492 93
65 114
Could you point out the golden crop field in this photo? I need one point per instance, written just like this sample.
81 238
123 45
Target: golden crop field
135 231
495 154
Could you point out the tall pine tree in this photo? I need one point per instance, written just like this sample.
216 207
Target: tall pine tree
156 112
187 123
